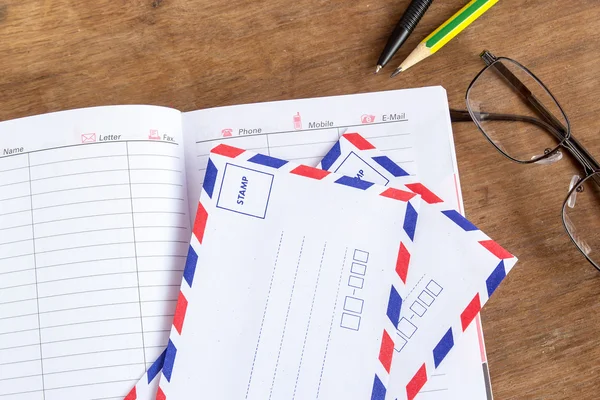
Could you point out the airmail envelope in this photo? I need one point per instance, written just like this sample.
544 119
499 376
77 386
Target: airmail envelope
289 284
454 268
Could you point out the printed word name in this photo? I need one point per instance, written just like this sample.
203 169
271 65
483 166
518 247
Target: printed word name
320 124
8 152
361 174
393 117
108 138
250 131
242 192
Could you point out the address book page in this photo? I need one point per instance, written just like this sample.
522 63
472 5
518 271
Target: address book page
94 230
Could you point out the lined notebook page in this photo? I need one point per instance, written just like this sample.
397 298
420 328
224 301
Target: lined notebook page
412 127
303 131
94 231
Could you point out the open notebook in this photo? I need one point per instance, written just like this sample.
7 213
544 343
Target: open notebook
95 213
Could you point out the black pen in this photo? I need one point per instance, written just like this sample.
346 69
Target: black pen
402 31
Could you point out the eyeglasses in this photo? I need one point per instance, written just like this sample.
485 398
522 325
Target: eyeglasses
519 116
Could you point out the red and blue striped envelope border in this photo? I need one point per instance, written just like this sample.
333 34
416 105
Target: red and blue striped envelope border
411 200
463 226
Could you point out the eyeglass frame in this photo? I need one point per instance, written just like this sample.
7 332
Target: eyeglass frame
563 134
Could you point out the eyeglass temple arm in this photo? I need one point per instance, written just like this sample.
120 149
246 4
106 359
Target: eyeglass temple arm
574 146
464 116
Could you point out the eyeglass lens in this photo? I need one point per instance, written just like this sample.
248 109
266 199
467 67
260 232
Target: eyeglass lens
518 129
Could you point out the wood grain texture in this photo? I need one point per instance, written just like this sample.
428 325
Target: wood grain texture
542 327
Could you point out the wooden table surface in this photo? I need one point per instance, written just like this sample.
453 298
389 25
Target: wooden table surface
542 327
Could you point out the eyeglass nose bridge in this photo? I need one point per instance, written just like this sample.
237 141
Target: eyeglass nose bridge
588 163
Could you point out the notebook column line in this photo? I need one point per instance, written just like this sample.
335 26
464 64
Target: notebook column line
135 253
36 277
268 146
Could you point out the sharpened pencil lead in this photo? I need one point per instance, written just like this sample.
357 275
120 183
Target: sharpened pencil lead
378 69
396 72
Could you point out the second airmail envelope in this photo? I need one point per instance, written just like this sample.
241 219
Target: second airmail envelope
454 269
290 286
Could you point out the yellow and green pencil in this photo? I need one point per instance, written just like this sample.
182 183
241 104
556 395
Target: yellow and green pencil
446 32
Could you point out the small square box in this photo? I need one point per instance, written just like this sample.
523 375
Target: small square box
361 256
400 343
406 328
350 321
356 282
434 288
353 304
426 298
358 269
418 308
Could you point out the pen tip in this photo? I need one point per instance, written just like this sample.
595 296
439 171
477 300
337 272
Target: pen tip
396 72
378 69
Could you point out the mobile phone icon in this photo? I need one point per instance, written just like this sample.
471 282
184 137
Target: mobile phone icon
297 121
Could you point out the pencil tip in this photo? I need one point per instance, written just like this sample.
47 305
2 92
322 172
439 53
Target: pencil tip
378 69
396 72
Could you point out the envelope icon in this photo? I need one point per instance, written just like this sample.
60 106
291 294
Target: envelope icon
88 138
